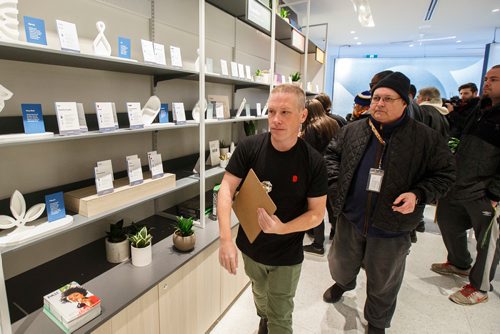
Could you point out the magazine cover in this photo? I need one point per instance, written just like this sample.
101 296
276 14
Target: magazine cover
70 301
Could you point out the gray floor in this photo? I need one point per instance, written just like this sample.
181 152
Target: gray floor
423 305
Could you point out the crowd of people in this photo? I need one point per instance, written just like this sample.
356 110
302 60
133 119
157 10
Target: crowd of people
373 173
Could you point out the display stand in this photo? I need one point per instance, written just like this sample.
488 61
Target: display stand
38 229
86 202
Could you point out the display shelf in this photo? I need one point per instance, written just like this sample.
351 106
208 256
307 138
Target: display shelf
79 220
122 292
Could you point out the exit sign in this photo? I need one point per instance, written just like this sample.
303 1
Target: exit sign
371 56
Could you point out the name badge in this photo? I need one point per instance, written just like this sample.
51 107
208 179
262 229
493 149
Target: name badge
375 180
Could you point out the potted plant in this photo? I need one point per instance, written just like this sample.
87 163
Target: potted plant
140 245
184 237
262 76
284 14
117 244
296 78
224 148
224 159
250 128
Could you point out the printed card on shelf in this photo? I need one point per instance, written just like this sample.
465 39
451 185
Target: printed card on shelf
283 79
234 69
148 51
124 47
103 181
264 111
70 302
248 111
68 36
33 118
35 30
179 112
259 109
210 110
223 67
240 109
67 118
214 152
210 65
115 116
175 56
155 164
134 115
81 117
241 71
163 118
219 110
248 72
159 50
134 170
131 157
107 167
105 117
54 203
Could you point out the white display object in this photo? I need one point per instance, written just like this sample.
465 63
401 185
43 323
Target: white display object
106 166
103 181
5 95
67 118
135 115
153 52
68 36
81 117
259 109
150 110
134 171
223 67
178 112
241 71
264 111
214 158
234 69
196 110
240 109
105 116
101 44
159 50
248 72
175 56
8 20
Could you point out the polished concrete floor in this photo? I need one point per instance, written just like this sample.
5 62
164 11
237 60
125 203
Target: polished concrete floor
423 305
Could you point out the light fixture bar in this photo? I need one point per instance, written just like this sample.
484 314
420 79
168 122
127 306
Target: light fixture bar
430 10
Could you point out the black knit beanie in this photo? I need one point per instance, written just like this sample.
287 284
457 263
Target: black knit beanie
398 82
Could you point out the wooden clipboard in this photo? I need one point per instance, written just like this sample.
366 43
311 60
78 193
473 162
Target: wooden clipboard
251 196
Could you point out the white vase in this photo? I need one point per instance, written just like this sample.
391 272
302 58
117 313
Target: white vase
224 150
117 252
141 256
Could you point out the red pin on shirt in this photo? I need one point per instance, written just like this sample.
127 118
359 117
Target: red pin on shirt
295 178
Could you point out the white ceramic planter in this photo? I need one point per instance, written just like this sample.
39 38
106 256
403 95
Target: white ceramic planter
224 150
142 256
117 252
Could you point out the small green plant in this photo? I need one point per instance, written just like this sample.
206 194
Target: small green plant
453 144
295 76
116 232
223 144
141 239
258 73
284 13
249 127
184 226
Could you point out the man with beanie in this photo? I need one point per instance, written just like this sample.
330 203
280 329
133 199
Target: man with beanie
382 171
473 200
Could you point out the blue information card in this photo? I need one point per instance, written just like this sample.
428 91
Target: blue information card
35 30
32 118
124 47
164 113
55 206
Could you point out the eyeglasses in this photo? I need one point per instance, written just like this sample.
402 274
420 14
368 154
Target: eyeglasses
386 99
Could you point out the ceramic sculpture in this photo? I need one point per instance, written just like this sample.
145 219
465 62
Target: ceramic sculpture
19 213
5 94
101 44
8 20
150 110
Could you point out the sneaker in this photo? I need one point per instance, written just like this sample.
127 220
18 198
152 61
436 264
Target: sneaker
333 294
420 227
262 326
312 249
449 269
469 295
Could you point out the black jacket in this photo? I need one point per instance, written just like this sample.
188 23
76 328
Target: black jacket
478 157
417 160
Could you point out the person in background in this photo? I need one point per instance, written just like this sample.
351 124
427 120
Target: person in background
413 108
318 130
432 111
473 200
327 105
361 107
460 110
383 170
297 174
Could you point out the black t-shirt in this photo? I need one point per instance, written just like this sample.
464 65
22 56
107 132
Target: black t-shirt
295 175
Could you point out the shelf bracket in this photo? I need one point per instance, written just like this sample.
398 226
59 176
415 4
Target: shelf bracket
165 77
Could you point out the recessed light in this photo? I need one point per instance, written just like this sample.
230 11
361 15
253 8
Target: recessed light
358 43
353 32
356 37
459 41
496 10
411 45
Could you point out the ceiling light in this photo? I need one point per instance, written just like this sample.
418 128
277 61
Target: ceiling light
356 37
459 41
353 32
411 45
496 10
362 8
358 43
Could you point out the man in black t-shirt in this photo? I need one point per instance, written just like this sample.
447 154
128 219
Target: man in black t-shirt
297 174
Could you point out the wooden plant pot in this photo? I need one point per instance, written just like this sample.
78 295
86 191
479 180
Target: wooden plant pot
117 252
142 256
184 244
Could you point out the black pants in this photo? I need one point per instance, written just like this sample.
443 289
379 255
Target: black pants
384 260
454 219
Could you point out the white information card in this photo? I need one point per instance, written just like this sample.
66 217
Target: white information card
178 112
67 118
175 56
68 36
135 115
223 67
134 170
103 181
105 116
155 164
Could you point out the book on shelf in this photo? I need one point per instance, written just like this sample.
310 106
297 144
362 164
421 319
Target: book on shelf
71 305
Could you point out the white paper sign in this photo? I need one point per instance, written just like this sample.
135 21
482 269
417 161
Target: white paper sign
175 56
135 115
240 109
81 118
234 69
103 181
134 170
248 111
241 71
223 67
219 110
68 36
115 117
67 118
105 116
148 51
155 164
214 152
159 50
106 166
259 110
248 71
178 112
264 111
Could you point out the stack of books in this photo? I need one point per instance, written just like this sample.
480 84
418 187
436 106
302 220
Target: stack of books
71 306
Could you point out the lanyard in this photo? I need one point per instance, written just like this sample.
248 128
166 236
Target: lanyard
381 141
